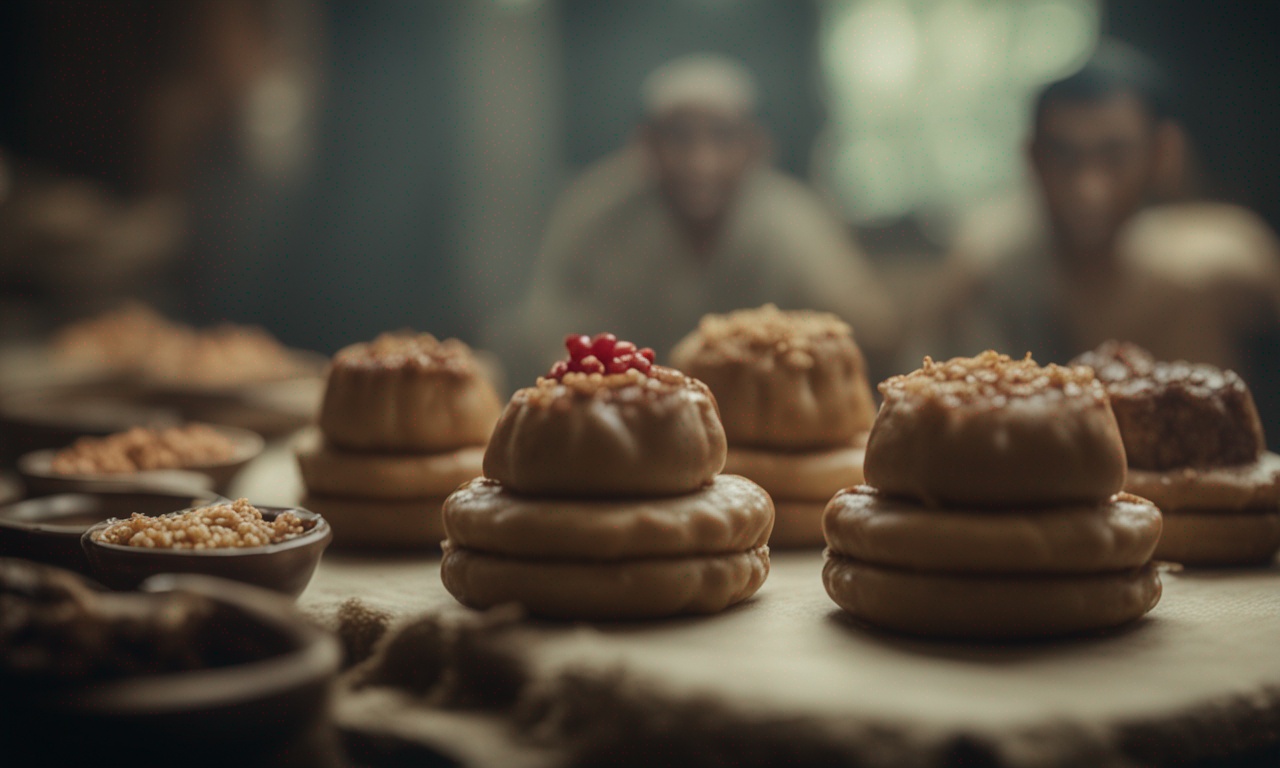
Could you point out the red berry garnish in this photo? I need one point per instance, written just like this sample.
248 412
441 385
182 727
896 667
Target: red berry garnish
602 353
602 346
579 346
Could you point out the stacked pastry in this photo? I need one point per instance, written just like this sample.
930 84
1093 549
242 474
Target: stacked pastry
403 423
993 509
602 498
1195 447
793 393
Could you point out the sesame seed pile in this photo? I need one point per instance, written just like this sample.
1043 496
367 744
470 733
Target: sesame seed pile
221 526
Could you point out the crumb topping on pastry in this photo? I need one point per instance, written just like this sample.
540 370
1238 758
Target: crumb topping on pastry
992 377
793 337
420 351
601 354
631 385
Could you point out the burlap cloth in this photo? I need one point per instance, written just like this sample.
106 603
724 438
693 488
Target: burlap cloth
787 679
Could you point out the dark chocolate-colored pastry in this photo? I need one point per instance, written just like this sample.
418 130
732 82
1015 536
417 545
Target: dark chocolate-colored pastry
1177 414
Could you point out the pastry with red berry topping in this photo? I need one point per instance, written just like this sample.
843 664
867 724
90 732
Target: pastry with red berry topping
793 393
1195 448
404 422
602 498
992 508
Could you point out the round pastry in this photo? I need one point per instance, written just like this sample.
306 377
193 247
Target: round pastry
1196 449
1115 535
379 524
981 607
632 433
408 393
642 588
602 500
789 380
730 515
1177 414
329 471
1252 486
990 431
991 510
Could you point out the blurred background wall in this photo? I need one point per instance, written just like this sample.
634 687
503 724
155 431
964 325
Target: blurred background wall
391 163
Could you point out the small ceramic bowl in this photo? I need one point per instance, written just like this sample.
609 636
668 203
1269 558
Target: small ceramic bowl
36 470
285 567
222 715
48 529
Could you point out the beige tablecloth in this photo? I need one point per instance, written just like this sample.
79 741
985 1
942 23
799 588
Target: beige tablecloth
788 676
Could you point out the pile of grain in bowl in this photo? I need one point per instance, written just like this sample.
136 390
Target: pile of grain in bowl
219 526
140 448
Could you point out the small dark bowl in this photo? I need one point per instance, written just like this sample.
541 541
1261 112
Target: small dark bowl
224 715
36 470
48 529
285 567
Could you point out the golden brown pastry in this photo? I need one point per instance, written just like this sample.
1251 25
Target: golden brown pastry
623 589
990 608
331 472
407 393
620 435
404 422
602 499
783 380
793 394
995 432
965 534
730 514
1195 448
1115 535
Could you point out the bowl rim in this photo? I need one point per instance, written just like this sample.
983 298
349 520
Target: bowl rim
320 532
248 446
314 655
47 526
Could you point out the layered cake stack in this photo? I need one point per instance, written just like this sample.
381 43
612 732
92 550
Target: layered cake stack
404 422
793 393
1195 448
992 508
602 498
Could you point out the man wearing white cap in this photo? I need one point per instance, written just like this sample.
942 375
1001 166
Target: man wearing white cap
688 219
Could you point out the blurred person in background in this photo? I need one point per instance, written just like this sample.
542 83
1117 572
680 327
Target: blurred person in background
1104 251
105 110
688 219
